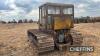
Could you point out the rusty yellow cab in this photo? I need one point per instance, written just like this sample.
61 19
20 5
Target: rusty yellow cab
53 16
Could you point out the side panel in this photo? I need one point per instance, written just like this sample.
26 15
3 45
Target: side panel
49 22
42 24
62 23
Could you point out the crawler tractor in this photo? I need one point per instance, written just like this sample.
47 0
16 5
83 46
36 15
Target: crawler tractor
55 23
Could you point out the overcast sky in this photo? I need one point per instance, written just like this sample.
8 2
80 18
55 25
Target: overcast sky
29 8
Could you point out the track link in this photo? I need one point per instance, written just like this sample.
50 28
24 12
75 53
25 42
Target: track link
77 38
43 41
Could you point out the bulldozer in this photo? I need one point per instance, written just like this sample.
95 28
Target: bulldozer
55 22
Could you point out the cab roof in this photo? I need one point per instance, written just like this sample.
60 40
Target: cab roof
57 5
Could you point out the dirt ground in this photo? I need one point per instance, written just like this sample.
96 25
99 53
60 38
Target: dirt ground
91 33
14 40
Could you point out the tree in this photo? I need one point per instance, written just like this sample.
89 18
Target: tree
3 22
25 21
20 21
14 21
30 21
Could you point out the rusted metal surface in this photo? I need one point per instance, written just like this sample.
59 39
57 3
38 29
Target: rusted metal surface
43 14
44 42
